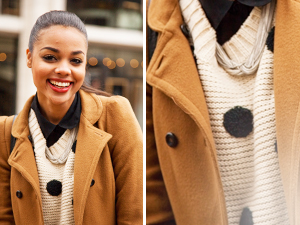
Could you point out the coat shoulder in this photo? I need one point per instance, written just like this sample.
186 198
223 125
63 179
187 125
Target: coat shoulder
118 113
114 101
116 106
5 135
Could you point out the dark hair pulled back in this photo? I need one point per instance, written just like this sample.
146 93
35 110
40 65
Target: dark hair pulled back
63 18
52 18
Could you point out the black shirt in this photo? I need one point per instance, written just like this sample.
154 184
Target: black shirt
51 131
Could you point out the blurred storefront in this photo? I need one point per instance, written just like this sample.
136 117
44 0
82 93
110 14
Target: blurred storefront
115 48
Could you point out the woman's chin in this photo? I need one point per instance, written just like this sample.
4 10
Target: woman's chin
61 100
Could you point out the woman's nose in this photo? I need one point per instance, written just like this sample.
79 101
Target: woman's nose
63 68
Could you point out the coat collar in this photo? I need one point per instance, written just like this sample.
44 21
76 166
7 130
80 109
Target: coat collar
91 110
160 12
87 152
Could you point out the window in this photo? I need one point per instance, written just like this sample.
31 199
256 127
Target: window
10 7
117 71
112 13
8 56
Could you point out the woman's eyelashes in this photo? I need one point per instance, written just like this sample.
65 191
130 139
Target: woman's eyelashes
49 58
52 58
76 61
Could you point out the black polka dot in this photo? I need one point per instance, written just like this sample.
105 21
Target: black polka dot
246 218
74 146
238 121
54 187
270 40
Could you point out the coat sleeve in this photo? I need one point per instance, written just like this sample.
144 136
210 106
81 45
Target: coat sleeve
126 148
6 213
158 208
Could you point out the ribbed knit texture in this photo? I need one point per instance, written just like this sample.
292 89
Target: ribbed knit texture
56 209
248 165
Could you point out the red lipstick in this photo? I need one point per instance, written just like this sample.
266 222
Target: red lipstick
58 89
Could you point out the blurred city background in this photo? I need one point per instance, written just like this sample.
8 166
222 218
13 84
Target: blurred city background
115 48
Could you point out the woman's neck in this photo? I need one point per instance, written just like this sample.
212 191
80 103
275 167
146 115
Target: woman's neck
54 113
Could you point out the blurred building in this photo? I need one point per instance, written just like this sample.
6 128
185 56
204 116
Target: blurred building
115 48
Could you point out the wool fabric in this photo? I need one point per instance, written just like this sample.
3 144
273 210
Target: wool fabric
248 164
56 173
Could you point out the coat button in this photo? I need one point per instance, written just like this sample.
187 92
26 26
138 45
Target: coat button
171 140
19 194
93 182
184 30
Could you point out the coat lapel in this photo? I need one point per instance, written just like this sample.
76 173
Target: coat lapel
287 99
181 83
173 71
90 144
22 157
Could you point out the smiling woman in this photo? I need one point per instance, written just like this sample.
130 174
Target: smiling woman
71 162
58 62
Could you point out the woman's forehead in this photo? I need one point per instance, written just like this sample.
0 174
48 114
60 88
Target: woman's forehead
58 34
57 29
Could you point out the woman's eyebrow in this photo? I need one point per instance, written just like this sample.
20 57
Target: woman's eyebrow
77 52
51 49
57 51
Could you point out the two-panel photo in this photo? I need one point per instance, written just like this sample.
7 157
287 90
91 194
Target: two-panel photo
157 112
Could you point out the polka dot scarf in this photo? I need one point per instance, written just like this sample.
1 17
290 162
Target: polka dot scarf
56 173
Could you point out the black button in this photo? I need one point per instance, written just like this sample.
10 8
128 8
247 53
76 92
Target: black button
171 140
184 30
19 194
93 182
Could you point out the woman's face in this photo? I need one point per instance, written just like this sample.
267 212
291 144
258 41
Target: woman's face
58 63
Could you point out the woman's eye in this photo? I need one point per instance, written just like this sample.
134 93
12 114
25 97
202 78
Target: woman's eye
49 58
76 61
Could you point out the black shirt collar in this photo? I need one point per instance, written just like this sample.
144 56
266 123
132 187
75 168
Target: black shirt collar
217 9
69 121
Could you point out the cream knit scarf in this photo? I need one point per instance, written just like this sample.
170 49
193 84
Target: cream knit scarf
250 65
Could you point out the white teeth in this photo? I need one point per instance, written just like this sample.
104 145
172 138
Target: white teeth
60 84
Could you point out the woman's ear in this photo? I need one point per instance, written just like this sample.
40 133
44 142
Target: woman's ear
28 58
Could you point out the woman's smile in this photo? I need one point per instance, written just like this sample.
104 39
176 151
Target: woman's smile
59 86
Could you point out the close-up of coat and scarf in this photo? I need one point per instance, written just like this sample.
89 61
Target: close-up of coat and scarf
222 112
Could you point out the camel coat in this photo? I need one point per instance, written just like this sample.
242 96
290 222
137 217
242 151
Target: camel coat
109 150
183 179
